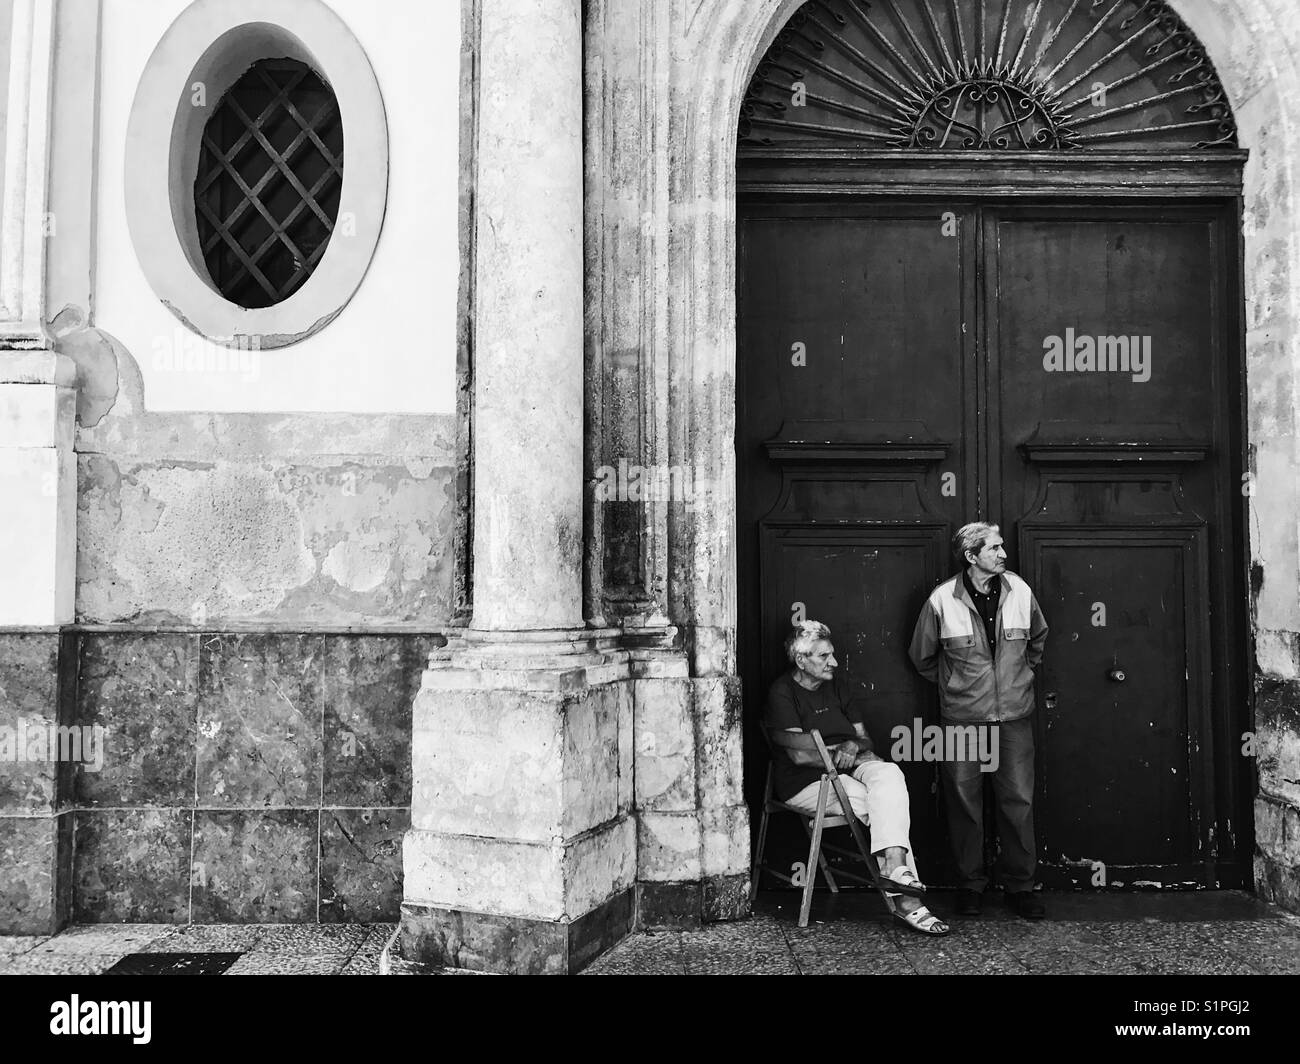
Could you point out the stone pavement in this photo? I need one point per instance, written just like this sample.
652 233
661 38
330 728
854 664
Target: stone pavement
1210 933
229 949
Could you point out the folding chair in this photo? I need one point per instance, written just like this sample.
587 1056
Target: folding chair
815 824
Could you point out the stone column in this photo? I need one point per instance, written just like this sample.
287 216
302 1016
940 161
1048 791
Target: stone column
38 496
528 318
522 851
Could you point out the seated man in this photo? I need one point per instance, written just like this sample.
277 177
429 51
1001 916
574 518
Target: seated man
812 695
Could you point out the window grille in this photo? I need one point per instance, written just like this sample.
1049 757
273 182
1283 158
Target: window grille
269 180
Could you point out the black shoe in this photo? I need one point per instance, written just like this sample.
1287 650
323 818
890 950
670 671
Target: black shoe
969 903
1025 903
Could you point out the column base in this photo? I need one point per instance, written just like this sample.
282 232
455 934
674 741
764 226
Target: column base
692 904
513 945
521 856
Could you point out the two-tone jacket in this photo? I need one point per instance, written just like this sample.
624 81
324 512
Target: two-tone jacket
950 648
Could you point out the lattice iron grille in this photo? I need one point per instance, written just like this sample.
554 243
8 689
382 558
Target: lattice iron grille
269 180
1036 75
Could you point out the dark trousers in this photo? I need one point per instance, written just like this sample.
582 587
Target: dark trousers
1013 792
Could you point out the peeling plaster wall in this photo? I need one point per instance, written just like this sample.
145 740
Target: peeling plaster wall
214 519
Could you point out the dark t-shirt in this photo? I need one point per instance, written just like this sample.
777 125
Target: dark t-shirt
831 709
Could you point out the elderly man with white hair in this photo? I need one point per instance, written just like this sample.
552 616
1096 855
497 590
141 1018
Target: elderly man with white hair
813 695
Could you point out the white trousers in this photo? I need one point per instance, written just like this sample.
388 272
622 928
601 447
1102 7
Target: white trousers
877 792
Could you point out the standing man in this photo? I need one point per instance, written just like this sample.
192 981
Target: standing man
979 637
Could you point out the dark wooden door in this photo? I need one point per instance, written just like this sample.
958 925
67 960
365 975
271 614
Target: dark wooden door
1070 372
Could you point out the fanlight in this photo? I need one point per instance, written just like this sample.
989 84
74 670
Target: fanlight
1029 75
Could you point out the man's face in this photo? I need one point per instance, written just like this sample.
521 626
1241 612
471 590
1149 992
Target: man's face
819 663
992 559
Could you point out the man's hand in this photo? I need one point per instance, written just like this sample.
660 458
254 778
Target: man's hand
865 752
845 754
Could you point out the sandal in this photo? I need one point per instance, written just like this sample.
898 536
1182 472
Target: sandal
922 920
904 881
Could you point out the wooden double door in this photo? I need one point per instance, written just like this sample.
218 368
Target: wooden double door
1072 373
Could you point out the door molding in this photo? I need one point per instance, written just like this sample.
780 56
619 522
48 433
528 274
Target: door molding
837 171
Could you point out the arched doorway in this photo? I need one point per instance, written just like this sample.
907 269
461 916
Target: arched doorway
989 267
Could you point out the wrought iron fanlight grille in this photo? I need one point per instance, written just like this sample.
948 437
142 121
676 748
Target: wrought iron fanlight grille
992 75
269 180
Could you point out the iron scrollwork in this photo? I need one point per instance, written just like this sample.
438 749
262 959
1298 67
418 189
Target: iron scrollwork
990 75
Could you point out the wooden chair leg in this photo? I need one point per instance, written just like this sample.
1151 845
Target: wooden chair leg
826 871
814 852
823 863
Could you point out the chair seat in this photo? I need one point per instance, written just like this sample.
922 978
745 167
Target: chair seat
828 821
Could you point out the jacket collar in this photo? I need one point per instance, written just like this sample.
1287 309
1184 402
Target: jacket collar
962 595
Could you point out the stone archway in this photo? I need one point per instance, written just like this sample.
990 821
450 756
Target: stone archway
661 218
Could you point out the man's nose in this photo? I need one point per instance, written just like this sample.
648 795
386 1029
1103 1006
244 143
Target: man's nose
831 662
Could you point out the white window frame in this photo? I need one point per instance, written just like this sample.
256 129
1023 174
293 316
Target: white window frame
203 53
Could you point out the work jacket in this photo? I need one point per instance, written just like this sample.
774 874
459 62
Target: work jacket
950 648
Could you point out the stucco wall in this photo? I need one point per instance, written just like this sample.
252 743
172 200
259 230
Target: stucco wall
213 519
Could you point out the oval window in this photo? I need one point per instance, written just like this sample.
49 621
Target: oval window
269 182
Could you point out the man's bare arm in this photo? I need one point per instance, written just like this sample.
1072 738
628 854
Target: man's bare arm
812 757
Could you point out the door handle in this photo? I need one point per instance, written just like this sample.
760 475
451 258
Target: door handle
1117 675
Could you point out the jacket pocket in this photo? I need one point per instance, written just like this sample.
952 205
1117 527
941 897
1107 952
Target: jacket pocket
1016 641
965 662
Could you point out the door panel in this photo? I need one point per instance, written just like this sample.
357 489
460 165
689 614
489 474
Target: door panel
1121 778
1111 279
876 298
1123 453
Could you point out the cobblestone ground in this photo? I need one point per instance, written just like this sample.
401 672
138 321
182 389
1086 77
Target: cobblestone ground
1219 933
